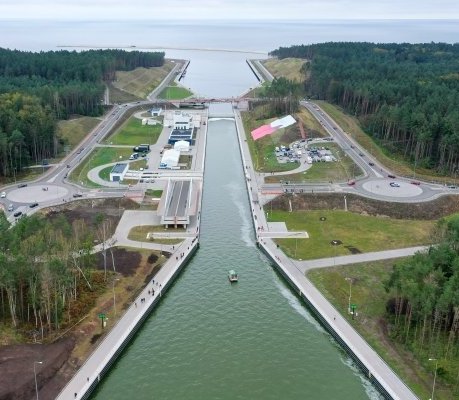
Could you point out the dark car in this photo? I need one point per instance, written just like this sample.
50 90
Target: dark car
22 185
417 183
33 205
351 183
371 164
361 154
17 214
75 195
391 176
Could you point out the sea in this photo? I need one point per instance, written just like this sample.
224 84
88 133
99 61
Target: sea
217 49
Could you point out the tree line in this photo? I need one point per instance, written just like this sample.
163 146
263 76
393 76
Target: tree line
405 95
281 96
46 267
425 307
36 89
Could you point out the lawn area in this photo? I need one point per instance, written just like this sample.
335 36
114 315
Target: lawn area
358 233
262 150
289 68
154 193
339 171
132 132
392 161
175 93
139 233
142 81
99 156
368 294
73 131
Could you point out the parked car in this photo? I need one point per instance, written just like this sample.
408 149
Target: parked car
33 205
10 207
17 214
3 195
394 184
75 195
391 176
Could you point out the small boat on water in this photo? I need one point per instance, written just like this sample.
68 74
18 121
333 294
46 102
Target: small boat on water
232 275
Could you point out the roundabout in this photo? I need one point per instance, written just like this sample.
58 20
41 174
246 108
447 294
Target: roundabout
398 189
37 193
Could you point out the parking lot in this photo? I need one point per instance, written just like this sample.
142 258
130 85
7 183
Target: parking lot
305 151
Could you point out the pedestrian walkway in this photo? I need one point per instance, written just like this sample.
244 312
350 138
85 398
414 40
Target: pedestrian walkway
99 362
380 374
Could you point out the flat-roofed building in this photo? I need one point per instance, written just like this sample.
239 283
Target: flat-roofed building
170 159
118 171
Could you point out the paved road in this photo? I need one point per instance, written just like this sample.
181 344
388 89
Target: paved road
376 366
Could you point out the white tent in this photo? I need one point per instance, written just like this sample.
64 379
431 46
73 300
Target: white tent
182 145
170 159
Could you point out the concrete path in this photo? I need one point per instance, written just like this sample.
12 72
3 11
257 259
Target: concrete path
304 266
89 374
377 370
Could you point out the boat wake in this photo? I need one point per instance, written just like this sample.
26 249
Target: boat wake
298 306
246 228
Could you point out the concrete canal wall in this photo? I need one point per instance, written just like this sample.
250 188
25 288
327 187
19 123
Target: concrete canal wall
255 71
376 370
99 362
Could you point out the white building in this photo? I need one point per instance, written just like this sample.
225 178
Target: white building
182 121
170 159
118 171
182 145
156 111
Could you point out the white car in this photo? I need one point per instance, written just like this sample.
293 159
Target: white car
394 184
3 195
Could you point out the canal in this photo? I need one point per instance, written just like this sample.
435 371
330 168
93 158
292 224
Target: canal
250 340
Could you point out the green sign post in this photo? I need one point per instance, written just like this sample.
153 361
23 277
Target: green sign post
102 318
353 307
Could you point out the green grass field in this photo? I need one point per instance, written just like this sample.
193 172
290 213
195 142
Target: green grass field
99 156
262 150
289 68
392 161
73 131
141 81
139 233
175 93
366 282
132 132
358 233
339 171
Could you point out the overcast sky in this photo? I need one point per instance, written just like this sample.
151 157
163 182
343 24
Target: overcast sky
229 9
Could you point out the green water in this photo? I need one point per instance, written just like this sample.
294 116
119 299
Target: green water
250 340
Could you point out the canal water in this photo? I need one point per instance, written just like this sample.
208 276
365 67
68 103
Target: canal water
253 339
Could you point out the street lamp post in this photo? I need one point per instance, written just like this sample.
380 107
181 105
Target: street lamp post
435 377
114 298
35 375
350 293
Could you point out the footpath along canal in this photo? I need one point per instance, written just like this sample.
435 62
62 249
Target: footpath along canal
253 339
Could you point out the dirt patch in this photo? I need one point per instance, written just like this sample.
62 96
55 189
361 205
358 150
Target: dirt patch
17 380
91 211
432 210
126 262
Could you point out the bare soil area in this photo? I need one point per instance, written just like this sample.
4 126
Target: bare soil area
443 206
62 358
